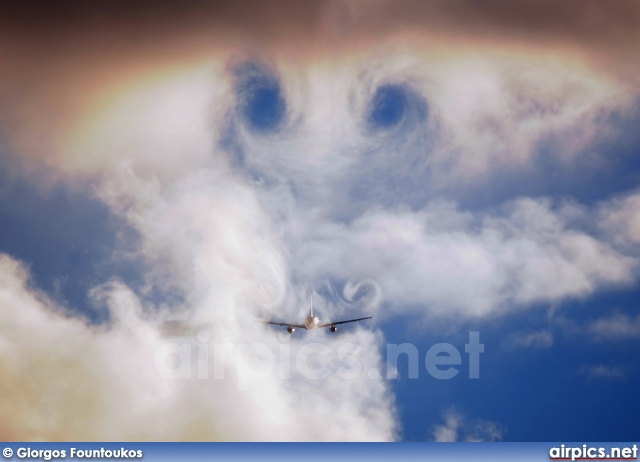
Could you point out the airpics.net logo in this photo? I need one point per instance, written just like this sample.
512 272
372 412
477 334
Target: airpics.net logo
588 452
203 360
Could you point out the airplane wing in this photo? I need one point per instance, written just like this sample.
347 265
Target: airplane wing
343 322
285 324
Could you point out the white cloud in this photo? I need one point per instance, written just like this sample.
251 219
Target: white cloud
601 371
617 326
533 339
149 122
449 431
459 428
442 261
497 109
65 380
620 218
478 112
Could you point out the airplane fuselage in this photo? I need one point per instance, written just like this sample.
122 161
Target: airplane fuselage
311 323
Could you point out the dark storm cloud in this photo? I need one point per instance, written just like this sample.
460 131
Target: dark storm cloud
124 22
608 27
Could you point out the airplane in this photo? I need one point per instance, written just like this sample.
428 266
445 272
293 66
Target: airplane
312 322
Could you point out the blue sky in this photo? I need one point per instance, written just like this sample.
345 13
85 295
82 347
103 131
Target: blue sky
537 394
436 180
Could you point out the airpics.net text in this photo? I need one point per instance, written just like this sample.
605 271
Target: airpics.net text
254 361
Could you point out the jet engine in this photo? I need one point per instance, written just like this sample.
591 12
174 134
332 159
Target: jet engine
291 329
333 328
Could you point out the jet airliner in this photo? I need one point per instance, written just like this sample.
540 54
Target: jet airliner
312 322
